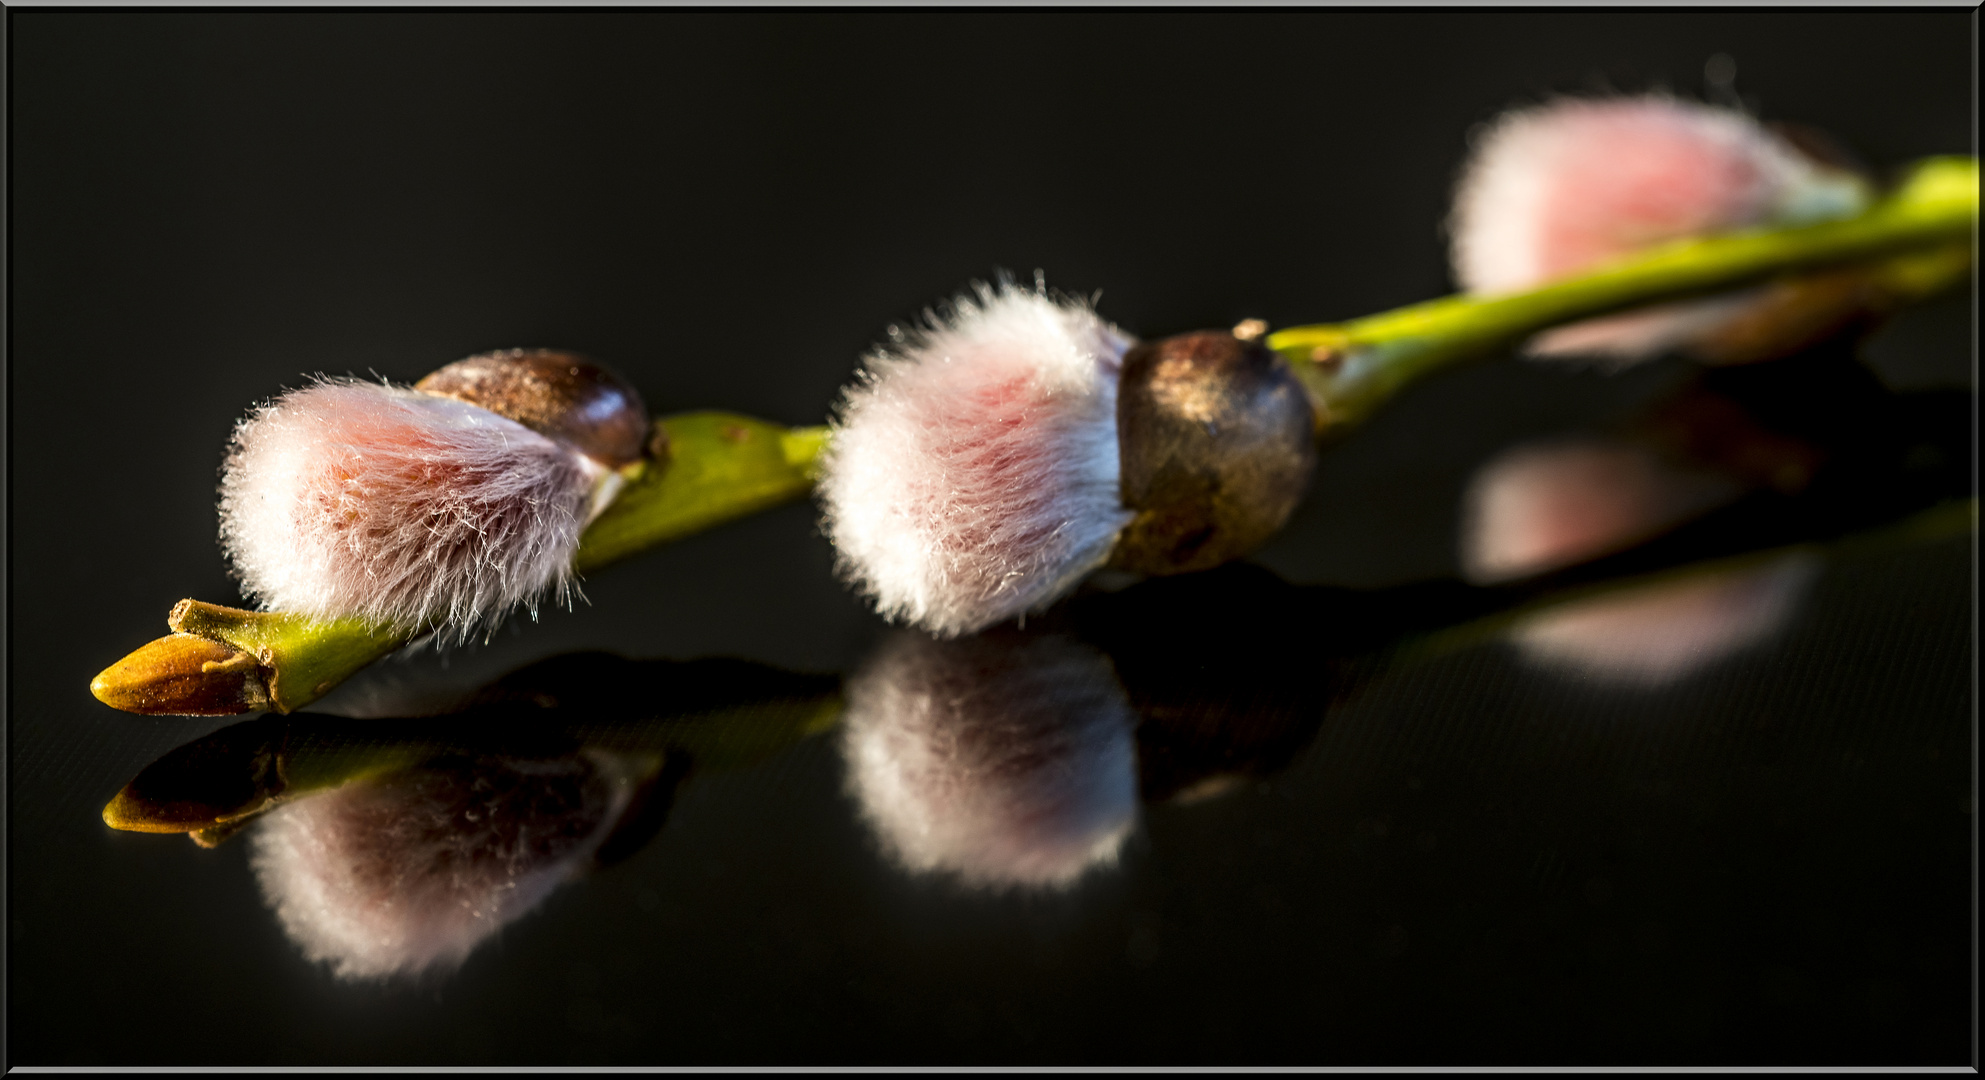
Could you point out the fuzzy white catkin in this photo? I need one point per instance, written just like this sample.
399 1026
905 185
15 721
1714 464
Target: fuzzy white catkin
1001 760
359 499
1556 189
409 872
973 473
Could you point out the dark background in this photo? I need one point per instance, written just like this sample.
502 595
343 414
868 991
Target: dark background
1768 863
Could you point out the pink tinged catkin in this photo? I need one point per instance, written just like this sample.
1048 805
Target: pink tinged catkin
357 499
1561 188
973 473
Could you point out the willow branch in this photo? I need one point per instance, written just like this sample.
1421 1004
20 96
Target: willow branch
222 661
720 466
1920 239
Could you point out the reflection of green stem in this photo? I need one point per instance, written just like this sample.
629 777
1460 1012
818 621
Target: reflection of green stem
215 784
720 466
1352 367
316 755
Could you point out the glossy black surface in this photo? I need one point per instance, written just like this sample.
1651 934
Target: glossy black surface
1355 835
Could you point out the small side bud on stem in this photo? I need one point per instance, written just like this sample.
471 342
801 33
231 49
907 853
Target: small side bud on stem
184 675
300 659
1250 329
222 661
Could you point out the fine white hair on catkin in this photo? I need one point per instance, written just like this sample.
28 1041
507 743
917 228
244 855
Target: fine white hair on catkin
1560 188
973 474
1003 760
407 872
347 498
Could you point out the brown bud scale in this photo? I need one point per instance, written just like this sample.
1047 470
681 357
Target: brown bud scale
183 675
1216 439
560 395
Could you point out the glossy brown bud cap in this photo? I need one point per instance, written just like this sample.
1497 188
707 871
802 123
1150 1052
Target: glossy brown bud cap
183 675
1216 438
561 395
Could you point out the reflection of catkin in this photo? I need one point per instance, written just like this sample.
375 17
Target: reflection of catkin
1002 759
410 871
1660 633
1545 505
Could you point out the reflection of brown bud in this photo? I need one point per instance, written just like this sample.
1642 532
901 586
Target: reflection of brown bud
228 776
1230 672
1216 442
1711 430
1186 754
560 395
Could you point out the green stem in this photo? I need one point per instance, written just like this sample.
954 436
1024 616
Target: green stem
720 466
300 658
1354 366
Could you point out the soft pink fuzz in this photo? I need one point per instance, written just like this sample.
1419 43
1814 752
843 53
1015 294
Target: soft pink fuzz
1543 506
1658 634
1564 187
973 473
411 871
357 499
1002 760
